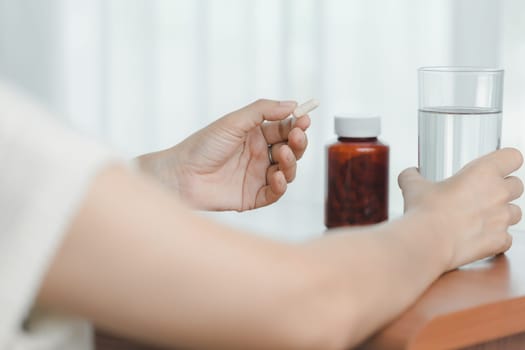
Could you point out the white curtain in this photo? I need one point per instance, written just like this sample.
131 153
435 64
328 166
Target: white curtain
143 74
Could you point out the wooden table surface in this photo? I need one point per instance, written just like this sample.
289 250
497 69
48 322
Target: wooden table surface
483 302
480 306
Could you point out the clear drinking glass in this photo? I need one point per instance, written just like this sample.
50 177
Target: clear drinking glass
459 117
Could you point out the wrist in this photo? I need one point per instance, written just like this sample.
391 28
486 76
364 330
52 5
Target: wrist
163 166
424 234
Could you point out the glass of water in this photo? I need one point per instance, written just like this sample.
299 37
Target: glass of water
459 117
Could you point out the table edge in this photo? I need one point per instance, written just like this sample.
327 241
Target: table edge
471 326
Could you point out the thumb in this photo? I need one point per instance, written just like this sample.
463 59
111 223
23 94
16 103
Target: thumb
410 177
412 186
255 113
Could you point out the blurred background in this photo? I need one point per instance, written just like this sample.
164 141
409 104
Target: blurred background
140 75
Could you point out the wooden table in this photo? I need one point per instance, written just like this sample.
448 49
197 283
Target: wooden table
480 306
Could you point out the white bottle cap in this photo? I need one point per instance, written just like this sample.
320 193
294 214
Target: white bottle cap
357 125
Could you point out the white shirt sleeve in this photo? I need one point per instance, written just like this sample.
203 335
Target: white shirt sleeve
45 171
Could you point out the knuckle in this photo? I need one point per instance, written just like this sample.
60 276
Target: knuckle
516 155
506 217
514 187
501 194
519 184
515 213
519 214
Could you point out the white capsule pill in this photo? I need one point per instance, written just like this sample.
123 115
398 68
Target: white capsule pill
305 108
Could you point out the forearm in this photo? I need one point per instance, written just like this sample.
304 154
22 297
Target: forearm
381 270
138 263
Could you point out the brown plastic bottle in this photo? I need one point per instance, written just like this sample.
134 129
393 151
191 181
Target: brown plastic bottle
357 173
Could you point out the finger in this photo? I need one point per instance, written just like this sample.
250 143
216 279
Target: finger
515 214
284 157
514 187
505 160
494 243
270 172
409 177
302 123
298 141
255 113
274 190
278 131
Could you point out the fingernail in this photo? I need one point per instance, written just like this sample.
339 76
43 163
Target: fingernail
287 104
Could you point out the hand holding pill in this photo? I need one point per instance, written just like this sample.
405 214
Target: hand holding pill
246 159
304 109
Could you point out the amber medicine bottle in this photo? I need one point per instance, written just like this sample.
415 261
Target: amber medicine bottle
357 173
